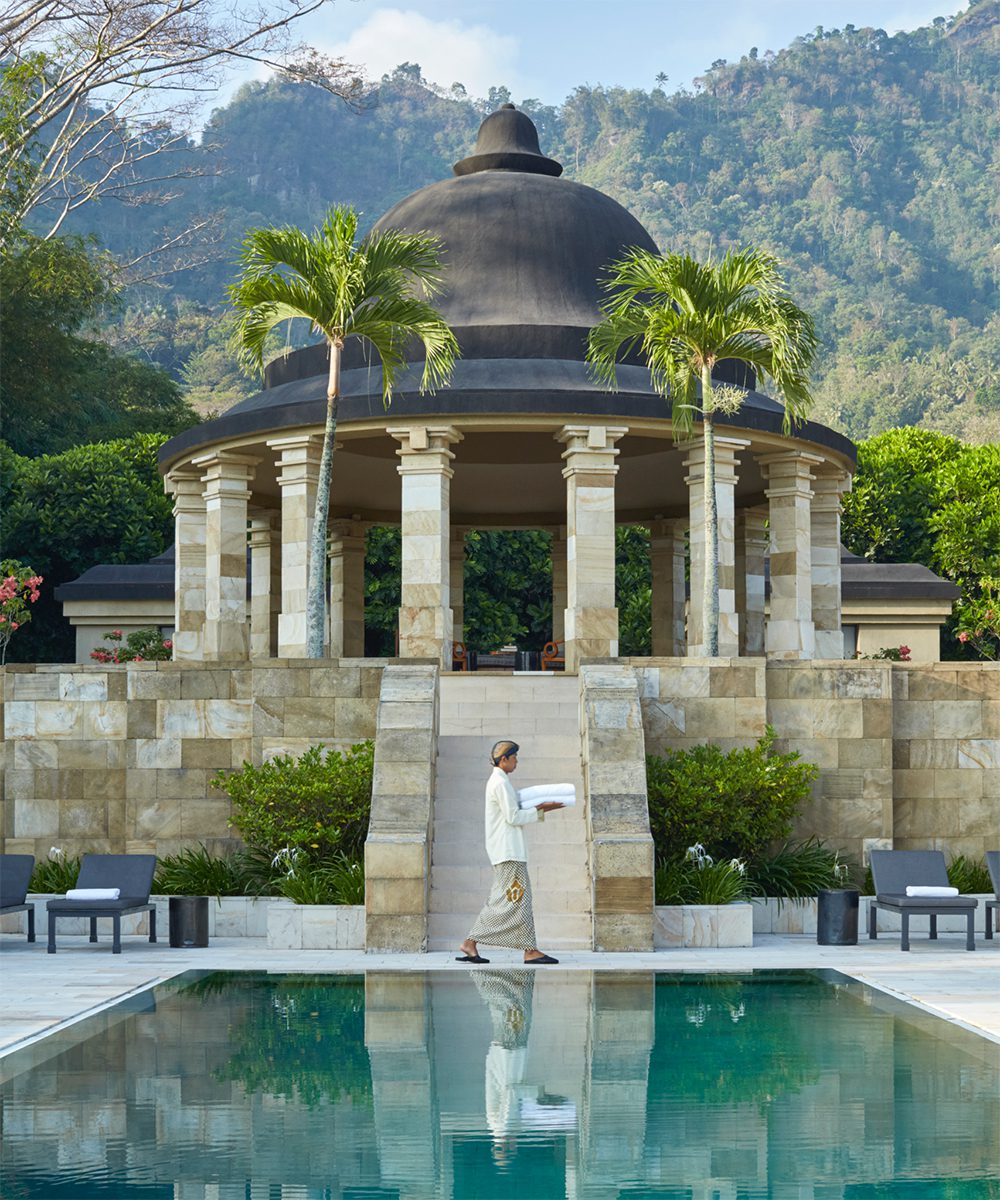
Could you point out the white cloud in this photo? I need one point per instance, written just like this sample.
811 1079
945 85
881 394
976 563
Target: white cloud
448 51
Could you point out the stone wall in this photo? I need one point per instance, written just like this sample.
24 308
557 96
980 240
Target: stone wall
946 757
118 759
909 754
621 849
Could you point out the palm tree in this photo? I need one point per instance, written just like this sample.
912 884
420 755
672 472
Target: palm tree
377 290
684 317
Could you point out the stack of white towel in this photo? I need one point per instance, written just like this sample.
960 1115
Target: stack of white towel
93 894
927 891
561 793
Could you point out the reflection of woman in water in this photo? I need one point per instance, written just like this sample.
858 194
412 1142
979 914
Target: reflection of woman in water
507 918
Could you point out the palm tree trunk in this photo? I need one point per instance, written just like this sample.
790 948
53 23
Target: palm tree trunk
316 598
710 605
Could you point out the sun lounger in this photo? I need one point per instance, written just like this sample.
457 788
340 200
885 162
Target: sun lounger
992 906
131 874
15 876
893 871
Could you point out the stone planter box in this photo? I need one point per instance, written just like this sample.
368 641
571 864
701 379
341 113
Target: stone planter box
799 916
229 916
677 926
315 926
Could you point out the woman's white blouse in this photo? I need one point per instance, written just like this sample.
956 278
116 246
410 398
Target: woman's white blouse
504 839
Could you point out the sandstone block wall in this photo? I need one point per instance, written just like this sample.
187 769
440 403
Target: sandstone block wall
621 849
119 759
398 848
909 754
946 757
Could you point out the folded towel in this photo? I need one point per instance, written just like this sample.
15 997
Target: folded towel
93 894
561 793
931 891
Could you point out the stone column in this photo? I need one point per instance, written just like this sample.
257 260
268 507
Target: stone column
187 489
726 462
346 553
790 632
227 493
457 583
828 488
667 559
263 626
298 473
559 584
425 618
751 553
591 624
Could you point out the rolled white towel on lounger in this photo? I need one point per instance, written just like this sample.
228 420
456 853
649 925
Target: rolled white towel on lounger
561 793
93 894
930 892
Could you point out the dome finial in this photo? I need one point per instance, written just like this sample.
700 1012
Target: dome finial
508 141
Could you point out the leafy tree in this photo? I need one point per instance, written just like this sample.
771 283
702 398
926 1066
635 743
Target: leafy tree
90 99
686 317
508 589
923 497
71 511
58 387
345 289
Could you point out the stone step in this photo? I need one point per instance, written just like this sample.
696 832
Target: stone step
465 828
459 748
444 879
547 855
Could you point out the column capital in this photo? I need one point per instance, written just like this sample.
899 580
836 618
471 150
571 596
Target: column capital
829 486
423 449
261 528
186 486
789 473
345 532
727 451
590 449
224 472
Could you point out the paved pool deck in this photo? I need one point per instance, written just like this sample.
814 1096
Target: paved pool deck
40 993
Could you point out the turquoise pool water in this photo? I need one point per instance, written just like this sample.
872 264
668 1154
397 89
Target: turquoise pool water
504 1083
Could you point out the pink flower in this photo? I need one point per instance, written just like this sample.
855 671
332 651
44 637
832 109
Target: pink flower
138 658
904 653
168 644
963 636
13 624
116 633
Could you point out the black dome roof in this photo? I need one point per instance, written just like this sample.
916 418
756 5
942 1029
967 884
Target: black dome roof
525 252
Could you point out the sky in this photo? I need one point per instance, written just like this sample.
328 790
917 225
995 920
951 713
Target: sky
543 49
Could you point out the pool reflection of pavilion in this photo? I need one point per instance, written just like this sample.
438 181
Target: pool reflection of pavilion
589 1086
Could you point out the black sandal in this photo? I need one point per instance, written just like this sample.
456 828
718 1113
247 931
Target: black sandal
471 958
546 958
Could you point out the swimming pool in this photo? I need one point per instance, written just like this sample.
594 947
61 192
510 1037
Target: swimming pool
504 1083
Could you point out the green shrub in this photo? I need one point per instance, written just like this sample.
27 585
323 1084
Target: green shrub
199 873
341 881
800 870
683 881
319 803
969 875
735 803
56 874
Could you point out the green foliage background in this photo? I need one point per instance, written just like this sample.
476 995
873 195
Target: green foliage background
64 513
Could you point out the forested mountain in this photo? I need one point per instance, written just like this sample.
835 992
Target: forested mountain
869 164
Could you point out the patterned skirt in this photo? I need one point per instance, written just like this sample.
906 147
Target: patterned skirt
507 918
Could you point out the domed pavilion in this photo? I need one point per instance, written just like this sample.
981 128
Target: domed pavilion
521 438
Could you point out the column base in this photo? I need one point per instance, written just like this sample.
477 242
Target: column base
829 643
790 639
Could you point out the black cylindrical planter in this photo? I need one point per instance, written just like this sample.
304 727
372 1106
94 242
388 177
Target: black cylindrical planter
528 660
188 921
837 917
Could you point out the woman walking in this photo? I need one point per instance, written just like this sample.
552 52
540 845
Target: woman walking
507 919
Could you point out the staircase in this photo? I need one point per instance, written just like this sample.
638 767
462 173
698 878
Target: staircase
542 714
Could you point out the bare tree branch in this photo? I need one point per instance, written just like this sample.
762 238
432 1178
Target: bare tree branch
93 89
